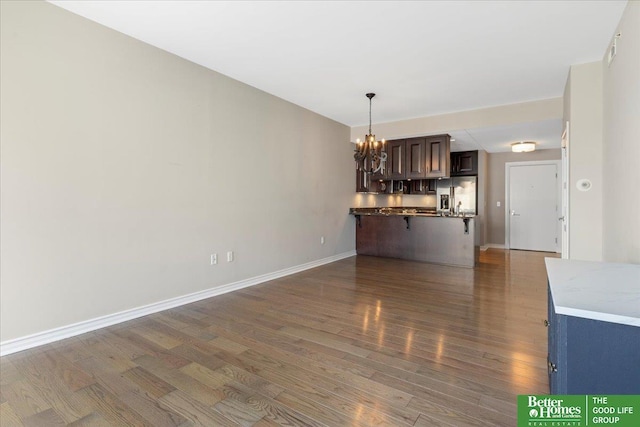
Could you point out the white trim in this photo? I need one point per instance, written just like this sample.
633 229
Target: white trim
507 204
565 191
492 246
45 337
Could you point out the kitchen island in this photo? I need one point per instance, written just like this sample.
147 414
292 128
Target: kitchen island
594 327
417 234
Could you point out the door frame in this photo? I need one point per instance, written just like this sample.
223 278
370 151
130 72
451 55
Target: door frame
507 203
564 224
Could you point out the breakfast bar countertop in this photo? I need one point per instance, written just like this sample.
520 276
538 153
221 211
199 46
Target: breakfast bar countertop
404 211
603 291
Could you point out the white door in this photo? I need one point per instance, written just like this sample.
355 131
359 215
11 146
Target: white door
532 210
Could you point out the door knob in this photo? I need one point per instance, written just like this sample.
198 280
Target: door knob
513 213
561 218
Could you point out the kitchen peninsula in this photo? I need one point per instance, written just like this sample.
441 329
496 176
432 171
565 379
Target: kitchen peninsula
418 234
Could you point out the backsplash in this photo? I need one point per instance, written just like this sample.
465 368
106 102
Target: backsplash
365 200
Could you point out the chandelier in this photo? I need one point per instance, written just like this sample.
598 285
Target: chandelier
370 154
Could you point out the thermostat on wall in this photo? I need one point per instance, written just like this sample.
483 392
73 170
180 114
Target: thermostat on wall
583 185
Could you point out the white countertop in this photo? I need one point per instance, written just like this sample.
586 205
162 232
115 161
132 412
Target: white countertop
595 290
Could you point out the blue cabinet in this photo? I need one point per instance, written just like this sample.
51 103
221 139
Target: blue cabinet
589 356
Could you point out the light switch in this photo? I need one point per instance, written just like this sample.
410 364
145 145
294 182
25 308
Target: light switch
498 204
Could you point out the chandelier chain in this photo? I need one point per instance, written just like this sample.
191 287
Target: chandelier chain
370 116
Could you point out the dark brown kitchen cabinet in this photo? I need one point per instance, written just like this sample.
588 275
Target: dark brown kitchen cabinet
437 156
396 159
422 186
379 186
431 186
369 182
363 179
415 159
411 160
363 182
464 163
417 186
382 173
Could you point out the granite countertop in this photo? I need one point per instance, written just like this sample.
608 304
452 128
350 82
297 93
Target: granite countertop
603 291
404 211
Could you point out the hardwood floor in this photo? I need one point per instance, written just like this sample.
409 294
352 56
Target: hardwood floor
360 342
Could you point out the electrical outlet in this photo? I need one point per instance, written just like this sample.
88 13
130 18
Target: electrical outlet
214 259
229 256
322 240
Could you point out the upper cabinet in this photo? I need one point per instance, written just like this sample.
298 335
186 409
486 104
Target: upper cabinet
419 158
415 158
396 159
464 163
382 173
363 181
437 156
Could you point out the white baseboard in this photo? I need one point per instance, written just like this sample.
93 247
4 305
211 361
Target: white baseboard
492 245
57 334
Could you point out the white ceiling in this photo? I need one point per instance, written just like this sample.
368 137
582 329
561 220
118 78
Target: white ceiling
546 134
421 58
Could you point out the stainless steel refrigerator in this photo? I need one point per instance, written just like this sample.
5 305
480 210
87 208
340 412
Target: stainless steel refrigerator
457 195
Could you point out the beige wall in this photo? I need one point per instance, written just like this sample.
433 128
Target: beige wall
496 189
124 167
583 111
621 151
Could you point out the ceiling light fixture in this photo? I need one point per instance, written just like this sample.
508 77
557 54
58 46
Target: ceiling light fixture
523 146
370 154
